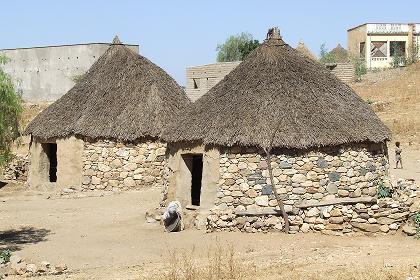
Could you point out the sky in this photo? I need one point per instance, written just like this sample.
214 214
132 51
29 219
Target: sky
176 34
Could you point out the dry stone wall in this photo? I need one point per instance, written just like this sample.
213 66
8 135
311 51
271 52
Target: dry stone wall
17 169
334 175
115 166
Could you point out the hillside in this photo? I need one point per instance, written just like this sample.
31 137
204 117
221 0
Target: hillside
395 96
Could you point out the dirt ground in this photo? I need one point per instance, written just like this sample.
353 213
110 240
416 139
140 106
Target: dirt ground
108 238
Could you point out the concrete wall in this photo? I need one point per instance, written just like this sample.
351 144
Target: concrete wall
356 36
69 164
44 74
204 77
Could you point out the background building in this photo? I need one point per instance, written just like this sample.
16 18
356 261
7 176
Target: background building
378 43
44 74
200 79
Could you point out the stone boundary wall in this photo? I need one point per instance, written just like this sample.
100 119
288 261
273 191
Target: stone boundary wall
344 71
17 169
324 175
118 167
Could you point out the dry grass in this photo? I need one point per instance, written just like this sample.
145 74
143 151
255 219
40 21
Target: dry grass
221 262
395 96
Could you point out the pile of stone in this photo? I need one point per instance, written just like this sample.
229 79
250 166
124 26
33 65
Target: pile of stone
18 266
17 168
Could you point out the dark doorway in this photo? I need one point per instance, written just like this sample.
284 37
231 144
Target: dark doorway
51 151
196 174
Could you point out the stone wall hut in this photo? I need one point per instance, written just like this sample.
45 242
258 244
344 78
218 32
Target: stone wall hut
328 146
105 132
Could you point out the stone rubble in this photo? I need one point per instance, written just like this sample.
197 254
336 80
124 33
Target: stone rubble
17 169
18 266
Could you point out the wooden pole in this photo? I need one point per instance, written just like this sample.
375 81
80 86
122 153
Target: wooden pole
274 189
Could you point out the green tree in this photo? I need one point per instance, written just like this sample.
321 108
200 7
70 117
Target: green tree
236 47
10 112
325 56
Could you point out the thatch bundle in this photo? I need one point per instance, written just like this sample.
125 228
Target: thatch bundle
123 96
304 49
278 97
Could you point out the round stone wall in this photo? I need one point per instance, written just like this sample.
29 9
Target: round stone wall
108 165
346 178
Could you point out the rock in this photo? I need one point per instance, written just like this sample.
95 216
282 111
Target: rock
236 194
122 153
312 212
304 228
266 190
334 176
233 168
335 213
129 182
384 228
409 230
343 193
372 221
285 165
298 178
398 216
366 227
415 207
332 188
394 226
251 193
334 227
103 167
385 221
15 259
95 180
60 268
262 200
322 163
336 220
298 191
32 268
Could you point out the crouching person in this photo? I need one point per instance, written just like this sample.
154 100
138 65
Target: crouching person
172 218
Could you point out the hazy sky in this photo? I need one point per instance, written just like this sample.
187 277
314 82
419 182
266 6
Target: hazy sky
175 34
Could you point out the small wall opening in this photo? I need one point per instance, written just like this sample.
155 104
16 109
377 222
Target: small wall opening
195 166
50 150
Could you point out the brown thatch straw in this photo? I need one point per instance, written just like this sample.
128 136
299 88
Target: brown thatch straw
340 54
304 49
123 96
279 93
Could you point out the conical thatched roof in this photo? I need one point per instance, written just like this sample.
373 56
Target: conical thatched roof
340 54
123 96
304 49
278 95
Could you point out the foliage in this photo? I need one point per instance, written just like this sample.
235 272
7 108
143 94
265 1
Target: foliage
383 190
10 112
416 219
236 47
360 68
77 78
324 55
5 256
398 59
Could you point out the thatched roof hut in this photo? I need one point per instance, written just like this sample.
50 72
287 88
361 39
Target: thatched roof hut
340 54
123 96
278 97
304 49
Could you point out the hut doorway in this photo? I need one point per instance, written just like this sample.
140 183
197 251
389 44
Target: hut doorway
194 162
50 149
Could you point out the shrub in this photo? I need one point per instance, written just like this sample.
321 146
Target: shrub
383 190
360 68
5 256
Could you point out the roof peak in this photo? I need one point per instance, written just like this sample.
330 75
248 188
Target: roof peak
116 40
273 36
